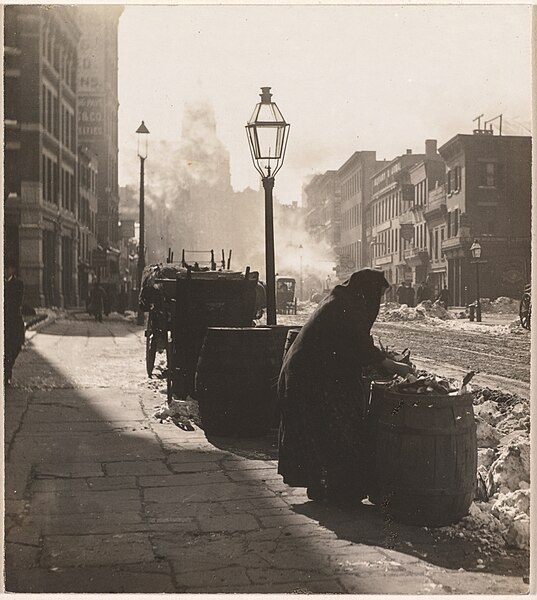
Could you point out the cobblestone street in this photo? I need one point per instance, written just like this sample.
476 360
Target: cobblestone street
102 497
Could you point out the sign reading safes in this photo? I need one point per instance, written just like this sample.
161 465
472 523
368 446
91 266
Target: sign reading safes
91 114
91 57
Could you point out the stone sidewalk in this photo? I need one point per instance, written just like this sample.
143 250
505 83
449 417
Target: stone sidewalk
101 497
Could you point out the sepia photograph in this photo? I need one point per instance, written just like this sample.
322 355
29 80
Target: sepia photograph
348 184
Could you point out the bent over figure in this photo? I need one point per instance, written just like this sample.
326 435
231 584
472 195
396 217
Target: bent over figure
322 399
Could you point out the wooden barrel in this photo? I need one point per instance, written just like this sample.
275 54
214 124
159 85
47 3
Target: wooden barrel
291 337
235 372
424 456
280 334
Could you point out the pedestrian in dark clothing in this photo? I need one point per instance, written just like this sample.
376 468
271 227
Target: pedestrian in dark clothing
13 321
409 294
405 294
322 399
97 301
423 292
444 297
401 294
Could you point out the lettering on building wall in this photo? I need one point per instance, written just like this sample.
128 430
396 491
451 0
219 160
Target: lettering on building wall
91 116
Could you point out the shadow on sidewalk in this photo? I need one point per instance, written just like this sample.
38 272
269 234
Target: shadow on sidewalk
368 525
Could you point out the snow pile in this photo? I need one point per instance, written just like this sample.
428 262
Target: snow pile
487 436
424 311
499 516
511 467
501 305
180 412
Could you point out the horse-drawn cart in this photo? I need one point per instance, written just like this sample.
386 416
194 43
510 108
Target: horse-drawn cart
182 304
525 308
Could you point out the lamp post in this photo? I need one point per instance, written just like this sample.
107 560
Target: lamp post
267 134
142 133
475 249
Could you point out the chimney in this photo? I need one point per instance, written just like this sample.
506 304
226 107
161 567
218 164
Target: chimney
430 147
409 150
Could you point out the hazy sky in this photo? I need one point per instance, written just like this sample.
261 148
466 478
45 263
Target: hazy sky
347 78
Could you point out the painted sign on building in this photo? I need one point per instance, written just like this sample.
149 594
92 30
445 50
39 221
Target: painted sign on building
91 116
91 56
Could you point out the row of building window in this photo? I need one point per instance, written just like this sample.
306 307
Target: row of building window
420 193
352 217
88 178
59 124
86 216
386 209
453 180
352 186
58 184
62 62
390 241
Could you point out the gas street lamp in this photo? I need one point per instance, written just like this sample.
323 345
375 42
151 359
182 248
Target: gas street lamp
475 249
267 134
142 133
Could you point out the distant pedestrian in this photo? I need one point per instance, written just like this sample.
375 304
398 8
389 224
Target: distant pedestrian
410 294
97 301
401 294
444 297
405 294
423 292
13 321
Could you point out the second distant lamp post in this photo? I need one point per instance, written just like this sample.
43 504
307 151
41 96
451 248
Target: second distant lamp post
267 136
142 132
475 249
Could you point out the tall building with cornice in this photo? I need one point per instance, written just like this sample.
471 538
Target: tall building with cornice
97 96
40 182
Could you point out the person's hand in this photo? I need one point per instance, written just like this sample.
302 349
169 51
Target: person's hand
396 368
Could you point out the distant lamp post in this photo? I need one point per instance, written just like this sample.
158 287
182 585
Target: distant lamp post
267 136
142 133
475 249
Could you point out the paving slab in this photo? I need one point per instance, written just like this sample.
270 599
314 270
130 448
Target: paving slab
90 550
204 493
86 502
212 580
76 523
70 470
231 523
149 578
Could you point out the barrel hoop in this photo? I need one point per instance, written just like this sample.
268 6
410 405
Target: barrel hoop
422 491
425 432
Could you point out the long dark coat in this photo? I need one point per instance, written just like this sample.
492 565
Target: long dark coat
322 400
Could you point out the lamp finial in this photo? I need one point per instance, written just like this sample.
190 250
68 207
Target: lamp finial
265 95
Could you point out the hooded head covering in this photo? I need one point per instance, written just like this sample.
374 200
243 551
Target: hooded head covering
367 285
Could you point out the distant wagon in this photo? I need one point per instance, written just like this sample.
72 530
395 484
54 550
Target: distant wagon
286 301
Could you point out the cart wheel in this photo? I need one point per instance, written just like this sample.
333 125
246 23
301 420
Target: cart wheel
150 353
525 311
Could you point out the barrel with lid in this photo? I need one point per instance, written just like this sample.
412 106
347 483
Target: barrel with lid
424 455
235 371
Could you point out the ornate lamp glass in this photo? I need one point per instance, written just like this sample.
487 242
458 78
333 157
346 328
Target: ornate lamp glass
475 249
142 135
267 135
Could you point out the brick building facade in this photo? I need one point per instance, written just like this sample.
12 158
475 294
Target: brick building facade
40 198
